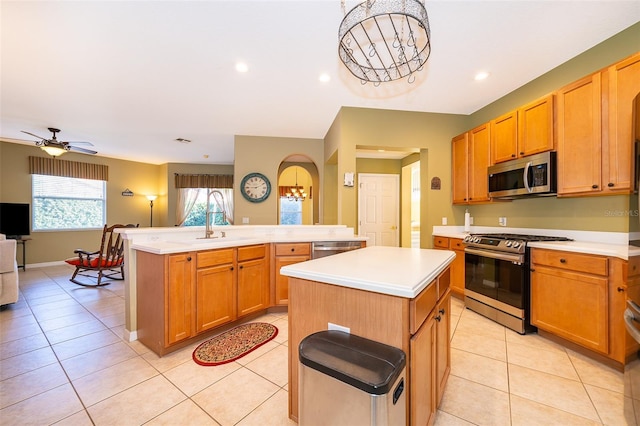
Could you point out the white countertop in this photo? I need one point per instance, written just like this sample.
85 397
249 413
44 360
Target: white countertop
182 239
614 244
395 271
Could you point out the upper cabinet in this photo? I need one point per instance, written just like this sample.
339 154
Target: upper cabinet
526 131
471 155
595 131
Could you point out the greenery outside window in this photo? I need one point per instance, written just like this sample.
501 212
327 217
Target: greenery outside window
65 203
197 213
290 211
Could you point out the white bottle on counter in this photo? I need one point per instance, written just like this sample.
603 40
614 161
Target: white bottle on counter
467 221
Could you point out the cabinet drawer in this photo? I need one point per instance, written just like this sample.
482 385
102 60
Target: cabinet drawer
585 263
441 242
422 305
444 281
205 259
456 244
251 252
293 249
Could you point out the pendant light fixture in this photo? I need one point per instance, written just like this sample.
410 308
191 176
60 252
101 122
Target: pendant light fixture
385 40
296 193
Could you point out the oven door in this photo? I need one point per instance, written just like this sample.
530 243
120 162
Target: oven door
496 276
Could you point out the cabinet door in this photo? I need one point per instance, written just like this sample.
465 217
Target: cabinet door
443 352
579 138
571 305
624 86
479 160
504 137
457 272
178 302
423 372
215 297
535 127
460 169
282 281
253 286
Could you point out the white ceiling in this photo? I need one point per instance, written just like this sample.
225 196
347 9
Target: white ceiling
133 76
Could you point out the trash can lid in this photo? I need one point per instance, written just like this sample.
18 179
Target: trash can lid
370 366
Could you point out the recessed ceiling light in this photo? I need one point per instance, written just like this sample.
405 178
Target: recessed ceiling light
481 76
242 67
324 77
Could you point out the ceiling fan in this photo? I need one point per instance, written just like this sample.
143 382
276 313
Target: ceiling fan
55 148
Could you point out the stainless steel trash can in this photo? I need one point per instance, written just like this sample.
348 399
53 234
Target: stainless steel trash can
349 380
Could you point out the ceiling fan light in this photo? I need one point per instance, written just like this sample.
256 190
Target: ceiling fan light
53 151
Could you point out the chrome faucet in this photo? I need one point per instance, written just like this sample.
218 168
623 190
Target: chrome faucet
208 232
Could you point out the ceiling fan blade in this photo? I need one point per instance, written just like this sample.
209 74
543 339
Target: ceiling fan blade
79 143
86 151
35 136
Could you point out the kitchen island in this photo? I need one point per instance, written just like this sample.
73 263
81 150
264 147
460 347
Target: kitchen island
396 296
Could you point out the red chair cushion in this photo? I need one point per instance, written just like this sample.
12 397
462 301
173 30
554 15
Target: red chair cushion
93 263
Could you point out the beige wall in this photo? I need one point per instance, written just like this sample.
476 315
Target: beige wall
264 155
142 179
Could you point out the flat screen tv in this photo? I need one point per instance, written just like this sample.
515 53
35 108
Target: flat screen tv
14 219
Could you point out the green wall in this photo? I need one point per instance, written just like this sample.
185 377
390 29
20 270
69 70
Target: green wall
142 179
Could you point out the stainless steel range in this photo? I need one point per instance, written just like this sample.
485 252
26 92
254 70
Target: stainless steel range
497 273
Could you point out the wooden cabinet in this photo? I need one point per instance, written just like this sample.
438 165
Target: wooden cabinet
569 297
579 137
287 254
460 169
178 287
184 295
470 161
215 288
622 84
457 266
624 284
526 131
430 350
595 131
253 279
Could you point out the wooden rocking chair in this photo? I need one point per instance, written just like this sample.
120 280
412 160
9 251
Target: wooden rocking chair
105 263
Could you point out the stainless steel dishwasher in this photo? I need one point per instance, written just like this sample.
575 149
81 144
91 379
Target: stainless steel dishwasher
327 248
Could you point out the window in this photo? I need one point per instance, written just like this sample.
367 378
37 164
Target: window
221 199
68 203
290 211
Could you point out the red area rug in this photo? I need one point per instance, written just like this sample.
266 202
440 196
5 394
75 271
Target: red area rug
234 344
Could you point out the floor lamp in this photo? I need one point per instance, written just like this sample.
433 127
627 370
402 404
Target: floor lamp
151 198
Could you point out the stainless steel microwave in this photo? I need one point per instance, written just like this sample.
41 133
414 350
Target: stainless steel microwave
528 176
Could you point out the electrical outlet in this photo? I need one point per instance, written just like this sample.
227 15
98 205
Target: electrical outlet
444 220
502 221
332 326
245 220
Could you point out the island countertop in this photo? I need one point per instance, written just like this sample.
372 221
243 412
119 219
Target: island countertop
394 271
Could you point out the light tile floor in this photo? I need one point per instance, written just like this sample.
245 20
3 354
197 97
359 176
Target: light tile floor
63 361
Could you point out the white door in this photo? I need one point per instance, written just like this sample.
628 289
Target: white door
378 208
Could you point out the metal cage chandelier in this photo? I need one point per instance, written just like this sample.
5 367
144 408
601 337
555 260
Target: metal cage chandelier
385 40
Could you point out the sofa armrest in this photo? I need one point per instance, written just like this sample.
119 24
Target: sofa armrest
7 255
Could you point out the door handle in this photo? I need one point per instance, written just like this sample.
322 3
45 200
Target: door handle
394 227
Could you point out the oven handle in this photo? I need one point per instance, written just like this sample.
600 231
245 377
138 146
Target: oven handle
515 258
630 317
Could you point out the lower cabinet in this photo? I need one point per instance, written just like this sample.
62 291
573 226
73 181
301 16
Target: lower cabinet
202 290
430 357
287 254
581 298
569 297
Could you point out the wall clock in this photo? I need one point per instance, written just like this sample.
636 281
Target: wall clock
255 187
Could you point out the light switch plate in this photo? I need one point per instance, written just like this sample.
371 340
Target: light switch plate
245 220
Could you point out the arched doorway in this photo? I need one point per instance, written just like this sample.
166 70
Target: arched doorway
298 191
